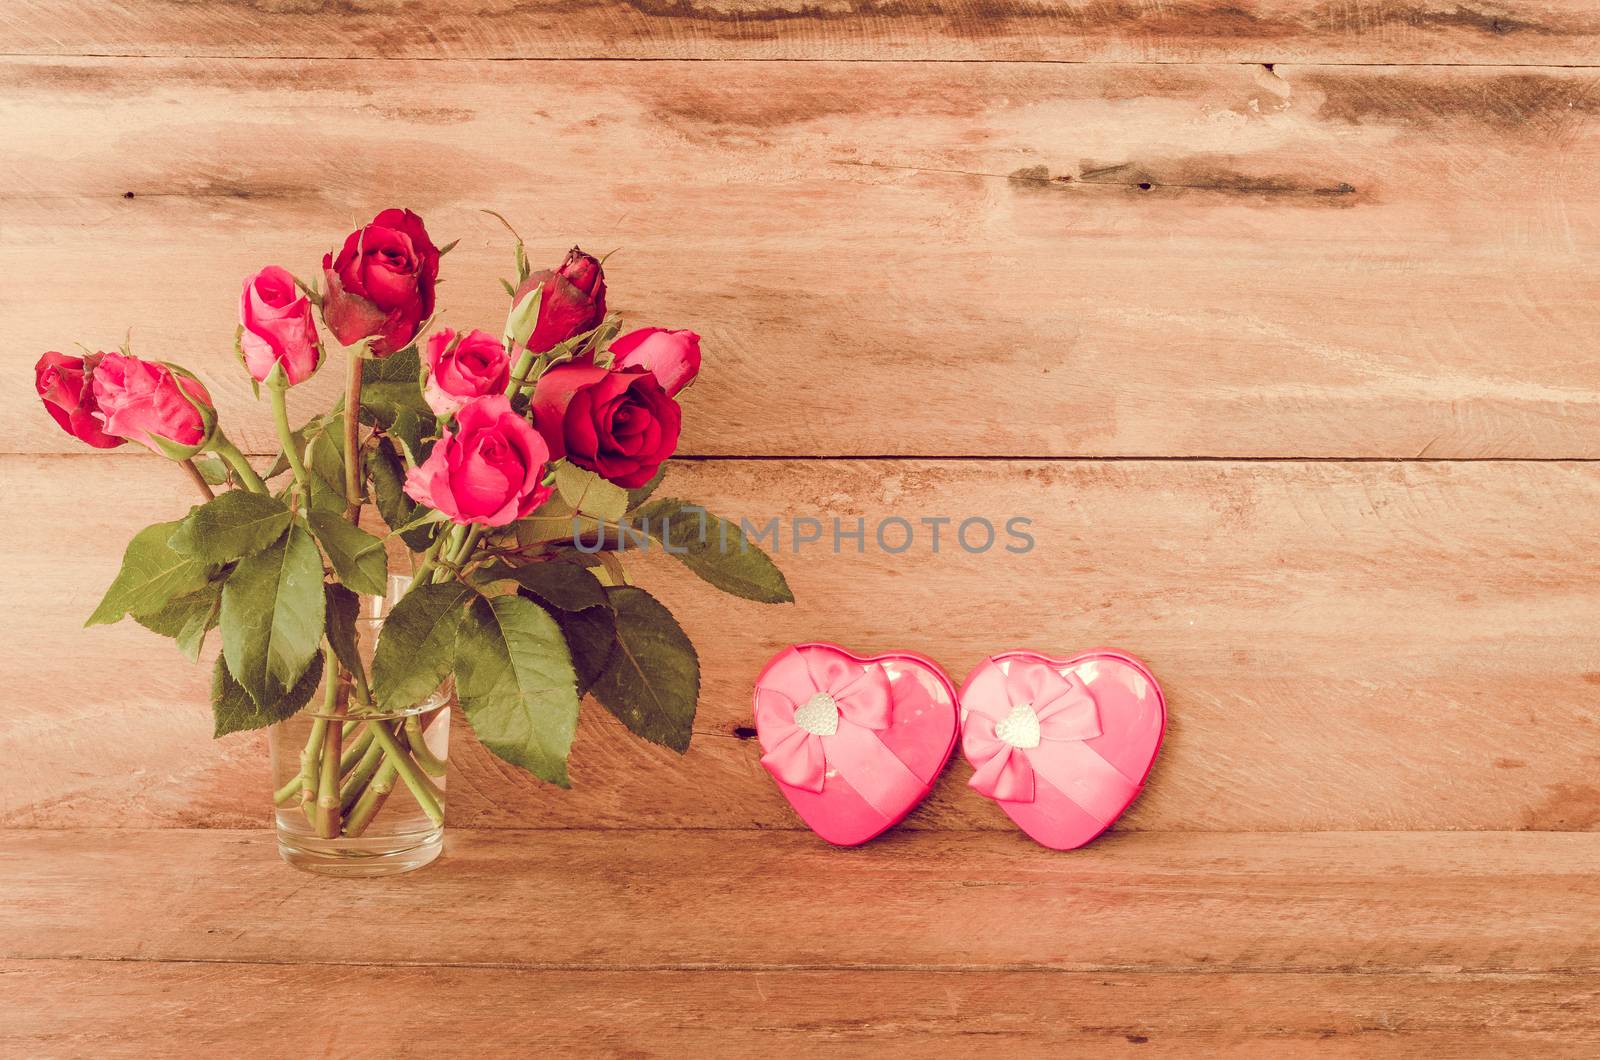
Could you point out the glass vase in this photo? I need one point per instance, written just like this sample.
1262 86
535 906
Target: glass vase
358 791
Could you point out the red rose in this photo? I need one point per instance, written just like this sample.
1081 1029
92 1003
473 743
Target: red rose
146 400
573 301
487 466
674 356
460 369
278 328
381 284
65 384
620 424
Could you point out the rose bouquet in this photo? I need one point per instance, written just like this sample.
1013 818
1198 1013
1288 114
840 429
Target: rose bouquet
448 533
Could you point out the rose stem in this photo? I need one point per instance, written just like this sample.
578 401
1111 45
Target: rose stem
419 748
421 789
371 801
377 793
280 416
236 460
352 432
328 782
519 374
298 784
359 777
465 550
311 756
199 479
429 558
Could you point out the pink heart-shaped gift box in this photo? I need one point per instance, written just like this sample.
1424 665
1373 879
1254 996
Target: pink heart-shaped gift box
854 743
1063 745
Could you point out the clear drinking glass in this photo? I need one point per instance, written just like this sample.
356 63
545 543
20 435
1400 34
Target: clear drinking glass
380 810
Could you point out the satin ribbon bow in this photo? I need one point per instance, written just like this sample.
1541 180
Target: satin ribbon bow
1012 717
810 704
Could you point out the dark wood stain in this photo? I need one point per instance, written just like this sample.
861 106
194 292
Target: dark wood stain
1520 104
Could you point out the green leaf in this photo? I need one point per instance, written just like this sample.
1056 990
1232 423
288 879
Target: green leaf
152 574
638 496
232 526
402 366
523 318
408 429
272 616
577 601
357 557
343 607
653 680
187 619
391 396
212 468
515 682
324 457
587 492
591 640
233 710
715 549
418 644
425 517
554 583
388 473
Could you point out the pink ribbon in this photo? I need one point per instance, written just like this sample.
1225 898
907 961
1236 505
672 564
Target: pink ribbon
1066 714
803 758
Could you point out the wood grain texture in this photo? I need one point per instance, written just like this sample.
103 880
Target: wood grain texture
926 259
1374 904
69 1008
1529 31
1344 646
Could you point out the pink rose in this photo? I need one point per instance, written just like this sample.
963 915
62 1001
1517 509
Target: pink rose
674 356
382 282
464 367
65 385
147 400
278 328
619 424
486 468
573 300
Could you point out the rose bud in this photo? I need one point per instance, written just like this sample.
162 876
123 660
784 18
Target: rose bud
381 284
66 386
674 356
573 301
463 367
278 329
619 424
151 403
486 468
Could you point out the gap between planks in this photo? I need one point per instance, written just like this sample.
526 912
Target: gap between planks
1269 63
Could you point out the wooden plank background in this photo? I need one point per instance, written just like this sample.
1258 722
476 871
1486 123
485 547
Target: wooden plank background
906 259
1277 319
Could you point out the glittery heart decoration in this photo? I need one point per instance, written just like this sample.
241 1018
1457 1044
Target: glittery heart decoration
1020 728
819 715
